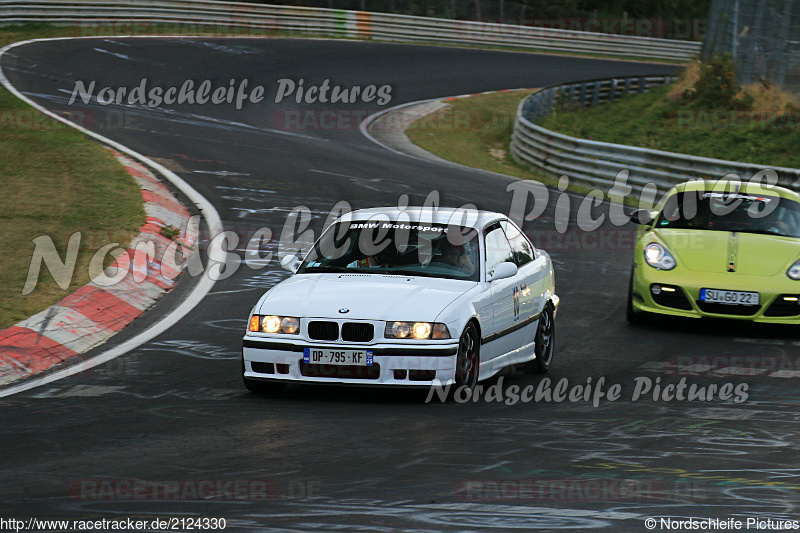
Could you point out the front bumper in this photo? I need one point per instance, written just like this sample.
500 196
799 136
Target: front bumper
684 300
402 365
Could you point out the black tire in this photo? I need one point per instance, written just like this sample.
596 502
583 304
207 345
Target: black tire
260 386
544 343
637 319
468 358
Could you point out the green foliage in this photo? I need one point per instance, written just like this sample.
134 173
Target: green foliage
717 87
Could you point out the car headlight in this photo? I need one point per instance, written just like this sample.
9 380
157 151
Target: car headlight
416 330
274 324
658 257
794 270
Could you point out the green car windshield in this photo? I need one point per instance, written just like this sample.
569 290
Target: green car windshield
746 213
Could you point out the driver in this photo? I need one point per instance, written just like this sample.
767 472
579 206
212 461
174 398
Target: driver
456 255
381 259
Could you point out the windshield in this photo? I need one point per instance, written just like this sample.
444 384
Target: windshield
740 212
391 248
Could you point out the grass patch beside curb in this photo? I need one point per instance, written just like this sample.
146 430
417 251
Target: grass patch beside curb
476 132
55 182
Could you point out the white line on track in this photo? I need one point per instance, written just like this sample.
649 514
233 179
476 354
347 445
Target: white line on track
236 291
195 296
333 174
367 122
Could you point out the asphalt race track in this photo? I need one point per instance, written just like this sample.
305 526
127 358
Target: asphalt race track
358 459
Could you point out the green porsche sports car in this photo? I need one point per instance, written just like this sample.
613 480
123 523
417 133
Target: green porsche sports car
719 249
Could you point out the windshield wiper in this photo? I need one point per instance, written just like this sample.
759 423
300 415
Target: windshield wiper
326 268
412 273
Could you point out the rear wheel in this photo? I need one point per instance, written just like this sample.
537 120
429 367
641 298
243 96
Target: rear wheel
544 343
468 358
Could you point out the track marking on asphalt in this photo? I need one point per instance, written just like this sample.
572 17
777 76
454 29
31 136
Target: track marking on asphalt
235 291
489 467
672 367
335 174
200 290
766 342
80 391
223 173
172 115
367 183
115 54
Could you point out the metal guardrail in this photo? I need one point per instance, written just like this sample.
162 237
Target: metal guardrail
340 23
597 164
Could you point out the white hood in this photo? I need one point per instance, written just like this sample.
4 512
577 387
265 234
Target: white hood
367 296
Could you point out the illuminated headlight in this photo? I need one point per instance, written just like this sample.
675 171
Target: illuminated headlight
416 330
794 270
274 324
658 257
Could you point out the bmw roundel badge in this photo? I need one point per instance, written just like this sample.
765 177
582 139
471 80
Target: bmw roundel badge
344 310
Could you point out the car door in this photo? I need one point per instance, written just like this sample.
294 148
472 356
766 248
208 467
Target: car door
533 278
504 296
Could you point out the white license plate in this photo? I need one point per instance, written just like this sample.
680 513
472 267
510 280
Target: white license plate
729 297
330 356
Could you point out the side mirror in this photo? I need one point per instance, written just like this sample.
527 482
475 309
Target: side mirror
504 270
291 263
643 217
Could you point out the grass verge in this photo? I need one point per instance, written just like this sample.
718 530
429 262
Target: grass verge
661 121
54 182
476 132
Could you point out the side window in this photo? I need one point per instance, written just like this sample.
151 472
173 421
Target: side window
497 248
520 247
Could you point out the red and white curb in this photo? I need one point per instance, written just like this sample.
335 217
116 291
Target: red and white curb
92 314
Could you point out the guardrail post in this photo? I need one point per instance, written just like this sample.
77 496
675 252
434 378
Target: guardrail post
583 95
596 94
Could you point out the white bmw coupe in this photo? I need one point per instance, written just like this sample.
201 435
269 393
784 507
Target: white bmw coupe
411 297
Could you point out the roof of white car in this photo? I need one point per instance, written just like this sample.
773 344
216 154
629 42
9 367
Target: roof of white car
443 215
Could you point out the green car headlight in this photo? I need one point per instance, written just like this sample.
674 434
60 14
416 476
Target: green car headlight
794 271
658 257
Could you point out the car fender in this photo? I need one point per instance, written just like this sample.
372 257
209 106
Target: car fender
461 310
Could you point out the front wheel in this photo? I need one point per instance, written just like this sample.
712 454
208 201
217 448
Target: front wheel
631 315
544 343
468 358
